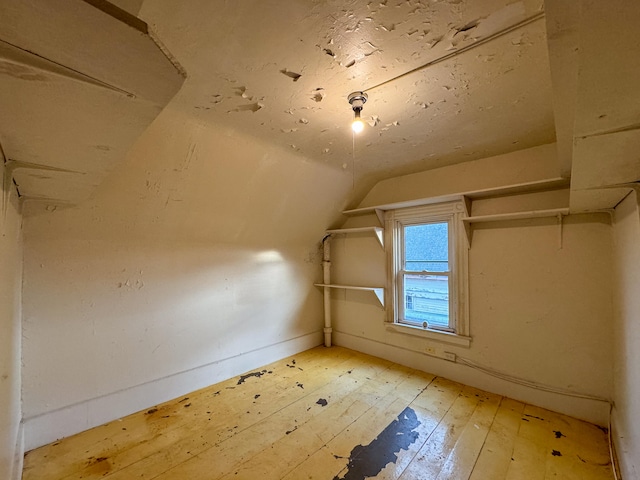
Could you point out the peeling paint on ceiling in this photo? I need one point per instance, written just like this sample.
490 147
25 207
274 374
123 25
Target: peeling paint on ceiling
448 81
485 91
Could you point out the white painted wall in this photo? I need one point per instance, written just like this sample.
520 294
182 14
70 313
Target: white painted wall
626 397
11 448
537 312
192 264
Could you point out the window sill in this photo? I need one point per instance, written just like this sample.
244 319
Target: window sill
444 337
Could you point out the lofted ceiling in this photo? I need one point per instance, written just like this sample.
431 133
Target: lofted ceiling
448 81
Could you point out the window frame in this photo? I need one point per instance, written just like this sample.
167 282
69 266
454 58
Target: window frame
395 221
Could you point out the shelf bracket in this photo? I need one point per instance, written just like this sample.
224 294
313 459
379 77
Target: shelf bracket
378 231
380 236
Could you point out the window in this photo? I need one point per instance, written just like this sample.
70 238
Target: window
428 268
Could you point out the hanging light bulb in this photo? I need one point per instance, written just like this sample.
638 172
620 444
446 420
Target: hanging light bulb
357 100
358 125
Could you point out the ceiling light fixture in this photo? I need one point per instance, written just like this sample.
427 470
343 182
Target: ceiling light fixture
357 100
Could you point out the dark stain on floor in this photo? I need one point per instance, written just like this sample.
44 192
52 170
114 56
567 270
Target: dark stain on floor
556 453
322 402
369 460
559 434
249 375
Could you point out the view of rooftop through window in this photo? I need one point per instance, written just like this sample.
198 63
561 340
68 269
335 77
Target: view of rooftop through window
426 294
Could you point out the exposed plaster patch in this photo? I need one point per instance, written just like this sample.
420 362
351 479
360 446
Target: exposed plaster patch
329 52
252 107
469 26
293 75
434 41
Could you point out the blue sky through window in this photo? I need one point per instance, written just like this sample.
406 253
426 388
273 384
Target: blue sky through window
426 247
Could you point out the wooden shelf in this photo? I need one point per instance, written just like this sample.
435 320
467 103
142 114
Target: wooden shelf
528 187
378 291
553 212
378 231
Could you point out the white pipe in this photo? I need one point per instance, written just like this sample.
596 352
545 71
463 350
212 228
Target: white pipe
326 270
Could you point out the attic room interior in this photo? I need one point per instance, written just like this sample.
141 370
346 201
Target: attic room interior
206 273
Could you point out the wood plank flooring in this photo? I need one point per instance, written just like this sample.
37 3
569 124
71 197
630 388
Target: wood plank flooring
332 413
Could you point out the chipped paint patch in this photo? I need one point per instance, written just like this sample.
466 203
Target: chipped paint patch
252 107
368 461
293 75
242 378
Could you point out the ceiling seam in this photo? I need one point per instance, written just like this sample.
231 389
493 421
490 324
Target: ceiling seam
478 43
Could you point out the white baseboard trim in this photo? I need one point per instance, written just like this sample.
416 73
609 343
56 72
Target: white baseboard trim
51 426
18 457
585 409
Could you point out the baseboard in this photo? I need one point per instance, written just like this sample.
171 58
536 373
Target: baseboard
51 426
623 463
584 409
18 456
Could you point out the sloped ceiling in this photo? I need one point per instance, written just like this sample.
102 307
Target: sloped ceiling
78 85
448 81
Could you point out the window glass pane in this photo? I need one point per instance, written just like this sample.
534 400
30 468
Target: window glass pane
426 247
427 299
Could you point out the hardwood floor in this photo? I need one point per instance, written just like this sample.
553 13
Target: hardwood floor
332 414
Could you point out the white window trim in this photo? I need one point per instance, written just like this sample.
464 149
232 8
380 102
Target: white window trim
459 258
